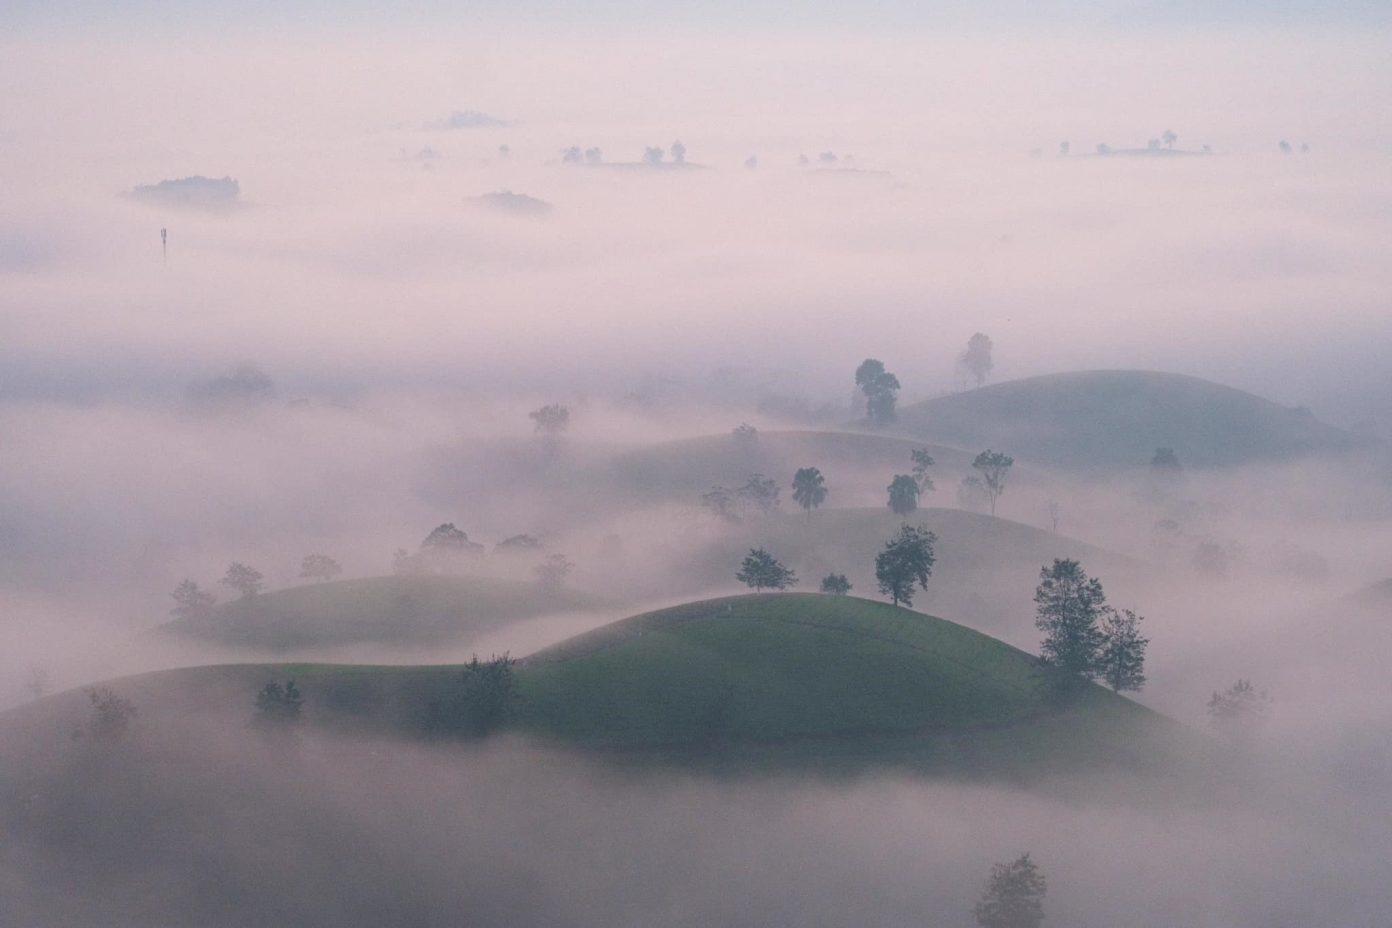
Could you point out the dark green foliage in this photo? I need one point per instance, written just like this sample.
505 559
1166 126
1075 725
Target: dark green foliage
191 601
809 489
1121 660
836 584
111 715
881 390
922 460
762 571
994 467
1014 896
903 494
245 580
905 560
482 699
1068 605
279 705
319 567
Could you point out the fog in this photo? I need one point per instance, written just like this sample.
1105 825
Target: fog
443 221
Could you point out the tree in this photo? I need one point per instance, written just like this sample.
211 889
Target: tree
679 152
319 567
809 489
552 572
1053 515
552 419
190 600
922 460
976 361
903 494
1121 660
723 502
482 699
111 714
277 704
759 492
762 571
1239 710
836 584
746 436
881 389
972 495
653 156
1169 138
36 681
446 537
906 559
245 580
994 467
1166 473
1068 604
1014 896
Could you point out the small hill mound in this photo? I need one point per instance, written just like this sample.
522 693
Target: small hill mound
385 610
803 677
1114 420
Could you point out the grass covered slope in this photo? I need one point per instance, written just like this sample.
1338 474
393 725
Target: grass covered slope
797 679
1114 420
386 610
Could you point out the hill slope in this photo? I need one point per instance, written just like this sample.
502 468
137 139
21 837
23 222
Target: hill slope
1114 420
386 610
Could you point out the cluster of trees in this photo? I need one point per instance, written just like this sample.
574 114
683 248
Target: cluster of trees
759 495
881 388
907 559
191 600
1084 638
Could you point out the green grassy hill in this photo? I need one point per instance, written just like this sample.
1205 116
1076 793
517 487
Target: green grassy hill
781 682
1114 420
386 610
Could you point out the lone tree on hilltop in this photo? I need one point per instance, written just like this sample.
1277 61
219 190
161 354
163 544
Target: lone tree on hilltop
881 389
903 494
277 704
482 699
551 420
809 489
994 467
836 584
922 460
762 571
111 714
245 580
976 361
190 600
1121 659
319 567
906 559
1014 896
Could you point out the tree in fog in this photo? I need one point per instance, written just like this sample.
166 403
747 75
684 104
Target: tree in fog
1166 473
247 581
1212 559
277 704
762 571
905 561
881 389
518 544
994 467
903 494
653 156
1169 138
551 420
1121 659
1239 710
191 600
976 361
1068 607
836 584
552 572
1053 515
1014 896
922 461
723 502
447 537
809 489
746 436
758 493
319 567
111 714
679 153
481 700
36 681
972 495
